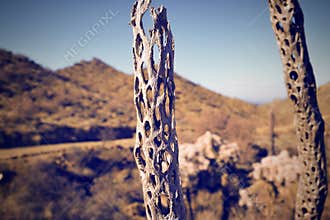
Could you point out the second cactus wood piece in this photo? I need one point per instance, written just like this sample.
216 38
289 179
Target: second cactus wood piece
288 25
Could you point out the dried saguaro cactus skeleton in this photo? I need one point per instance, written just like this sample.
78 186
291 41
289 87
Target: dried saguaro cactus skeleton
156 149
288 25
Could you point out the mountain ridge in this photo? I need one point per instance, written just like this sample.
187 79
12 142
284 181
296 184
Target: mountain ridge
91 100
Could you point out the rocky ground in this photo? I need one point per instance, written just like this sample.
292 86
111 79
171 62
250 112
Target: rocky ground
100 181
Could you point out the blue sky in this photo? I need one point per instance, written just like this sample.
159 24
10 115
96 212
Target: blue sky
225 45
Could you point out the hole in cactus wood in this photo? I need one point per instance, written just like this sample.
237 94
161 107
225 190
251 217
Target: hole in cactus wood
160 87
164 204
151 153
157 117
158 141
144 72
166 132
149 96
168 106
156 57
279 26
152 180
147 128
139 46
294 99
278 9
293 75
136 85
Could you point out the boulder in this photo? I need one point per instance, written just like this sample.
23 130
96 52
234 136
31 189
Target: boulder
198 156
280 169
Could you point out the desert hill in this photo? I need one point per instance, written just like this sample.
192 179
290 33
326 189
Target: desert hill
284 125
92 101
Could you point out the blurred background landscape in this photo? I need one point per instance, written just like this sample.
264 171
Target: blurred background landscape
67 118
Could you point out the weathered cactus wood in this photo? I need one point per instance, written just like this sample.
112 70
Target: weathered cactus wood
156 149
288 25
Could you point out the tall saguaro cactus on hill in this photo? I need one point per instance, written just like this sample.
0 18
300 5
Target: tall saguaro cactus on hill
156 149
288 25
